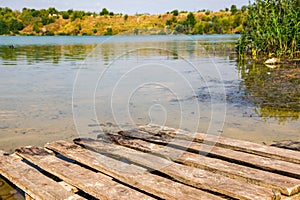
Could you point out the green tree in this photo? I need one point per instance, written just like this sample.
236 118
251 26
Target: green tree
244 8
191 20
15 25
237 21
169 22
52 11
36 28
65 15
70 11
233 9
78 14
3 28
175 12
200 28
26 16
104 12
35 13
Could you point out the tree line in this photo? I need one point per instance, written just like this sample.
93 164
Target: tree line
229 20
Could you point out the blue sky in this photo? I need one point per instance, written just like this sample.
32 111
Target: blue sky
125 6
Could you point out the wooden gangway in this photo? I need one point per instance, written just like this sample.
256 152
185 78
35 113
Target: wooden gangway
154 162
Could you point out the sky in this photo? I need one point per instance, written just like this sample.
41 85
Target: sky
125 6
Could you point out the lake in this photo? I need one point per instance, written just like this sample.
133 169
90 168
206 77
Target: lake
63 87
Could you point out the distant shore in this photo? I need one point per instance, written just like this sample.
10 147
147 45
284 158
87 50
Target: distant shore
78 23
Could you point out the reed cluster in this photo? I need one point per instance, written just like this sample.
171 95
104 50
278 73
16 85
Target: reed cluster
271 29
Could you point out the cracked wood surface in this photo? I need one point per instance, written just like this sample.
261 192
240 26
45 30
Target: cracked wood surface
31 181
131 174
196 177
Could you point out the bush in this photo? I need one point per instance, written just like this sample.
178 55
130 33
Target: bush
199 29
179 28
49 33
36 28
109 31
65 15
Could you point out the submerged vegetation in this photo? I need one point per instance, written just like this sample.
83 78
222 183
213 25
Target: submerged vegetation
275 91
74 22
271 29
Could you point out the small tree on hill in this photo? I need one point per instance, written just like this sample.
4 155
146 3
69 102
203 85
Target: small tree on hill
175 12
191 20
233 9
104 12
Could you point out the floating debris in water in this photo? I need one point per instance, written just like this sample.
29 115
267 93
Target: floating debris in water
272 61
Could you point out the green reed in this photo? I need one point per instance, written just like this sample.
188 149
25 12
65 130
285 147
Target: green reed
271 29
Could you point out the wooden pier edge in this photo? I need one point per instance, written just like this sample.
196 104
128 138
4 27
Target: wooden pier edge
154 162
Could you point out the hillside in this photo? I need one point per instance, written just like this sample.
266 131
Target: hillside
53 22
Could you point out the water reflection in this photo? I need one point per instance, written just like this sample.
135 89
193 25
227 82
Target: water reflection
276 90
43 53
37 53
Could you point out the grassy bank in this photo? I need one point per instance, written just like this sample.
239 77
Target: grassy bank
54 22
271 29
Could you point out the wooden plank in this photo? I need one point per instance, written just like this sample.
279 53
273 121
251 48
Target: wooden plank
265 163
244 146
131 174
294 197
31 180
196 177
68 187
27 197
95 184
285 185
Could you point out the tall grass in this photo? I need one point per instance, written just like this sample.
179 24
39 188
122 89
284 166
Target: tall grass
271 29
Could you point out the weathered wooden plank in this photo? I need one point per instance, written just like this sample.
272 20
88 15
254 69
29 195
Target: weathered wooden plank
294 197
192 176
31 180
285 185
27 197
245 146
68 187
131 174
95 184
266 163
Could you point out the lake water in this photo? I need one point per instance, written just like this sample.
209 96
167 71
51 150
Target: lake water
54 88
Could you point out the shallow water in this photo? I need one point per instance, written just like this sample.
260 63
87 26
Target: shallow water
54 88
